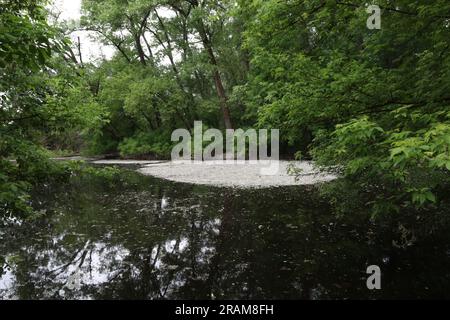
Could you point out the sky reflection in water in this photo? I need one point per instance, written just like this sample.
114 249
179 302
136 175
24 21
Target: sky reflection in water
143 238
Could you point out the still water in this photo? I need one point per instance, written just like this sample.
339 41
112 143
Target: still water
137 237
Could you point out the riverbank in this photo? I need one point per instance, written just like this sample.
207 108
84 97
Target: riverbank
236 175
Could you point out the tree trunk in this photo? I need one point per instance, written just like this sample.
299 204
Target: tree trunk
223 100
217 78
140 50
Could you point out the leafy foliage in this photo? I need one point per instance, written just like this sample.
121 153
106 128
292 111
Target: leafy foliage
27 42
371 104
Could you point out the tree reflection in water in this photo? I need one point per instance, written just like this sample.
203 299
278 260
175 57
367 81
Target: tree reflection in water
144 238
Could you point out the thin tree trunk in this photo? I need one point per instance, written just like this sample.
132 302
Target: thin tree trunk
217 78
140 50
223 99
168 48
79 52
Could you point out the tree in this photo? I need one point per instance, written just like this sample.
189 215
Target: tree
172 32
27 42
364 96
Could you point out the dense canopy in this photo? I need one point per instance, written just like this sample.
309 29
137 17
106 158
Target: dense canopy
372 104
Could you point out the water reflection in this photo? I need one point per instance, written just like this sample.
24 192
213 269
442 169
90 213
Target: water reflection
143 238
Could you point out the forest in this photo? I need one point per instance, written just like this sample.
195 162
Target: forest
373 104
369 105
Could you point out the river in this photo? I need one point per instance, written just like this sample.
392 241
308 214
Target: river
138 237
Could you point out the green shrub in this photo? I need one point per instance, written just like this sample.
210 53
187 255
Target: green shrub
147 144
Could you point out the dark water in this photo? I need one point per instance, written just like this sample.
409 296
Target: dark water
137 237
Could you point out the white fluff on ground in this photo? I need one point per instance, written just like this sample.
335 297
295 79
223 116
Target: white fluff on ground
244 175
125 162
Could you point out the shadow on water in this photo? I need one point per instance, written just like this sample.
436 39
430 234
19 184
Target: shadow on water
144 238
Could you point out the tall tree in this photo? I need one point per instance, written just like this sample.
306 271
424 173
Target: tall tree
27 43
366 96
